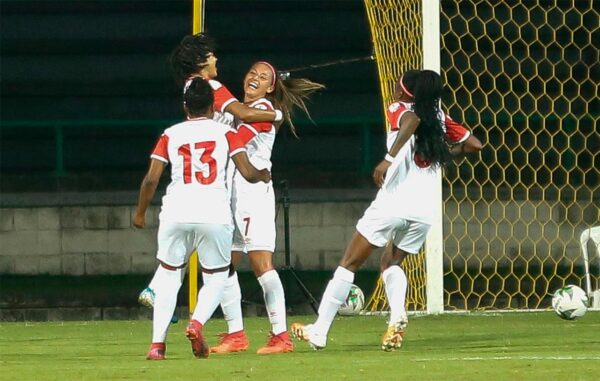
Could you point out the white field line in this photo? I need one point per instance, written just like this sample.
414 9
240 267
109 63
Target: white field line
500 358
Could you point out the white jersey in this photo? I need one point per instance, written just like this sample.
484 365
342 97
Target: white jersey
199 151
259 137
410 183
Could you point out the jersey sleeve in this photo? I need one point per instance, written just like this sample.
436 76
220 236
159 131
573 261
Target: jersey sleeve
161 149
455 132
395 112
235 143
223 96
247 131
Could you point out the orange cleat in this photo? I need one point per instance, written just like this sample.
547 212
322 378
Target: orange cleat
194 334
232 342
281 343
156 352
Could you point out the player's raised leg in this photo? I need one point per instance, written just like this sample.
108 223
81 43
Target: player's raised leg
336 292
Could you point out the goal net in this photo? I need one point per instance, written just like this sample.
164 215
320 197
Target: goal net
523 76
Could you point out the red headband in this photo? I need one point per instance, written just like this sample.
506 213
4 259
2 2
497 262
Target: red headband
404 88
272 71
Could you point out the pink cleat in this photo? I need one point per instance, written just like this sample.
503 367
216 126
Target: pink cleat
156 352
194 334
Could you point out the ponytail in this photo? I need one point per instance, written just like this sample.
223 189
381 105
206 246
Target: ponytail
430 141
290 92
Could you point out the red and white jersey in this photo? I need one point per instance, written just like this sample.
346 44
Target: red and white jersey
198 151
259 137
410 183
223 98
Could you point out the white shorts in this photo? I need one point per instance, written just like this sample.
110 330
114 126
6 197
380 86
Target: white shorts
176 241
378 227
254 213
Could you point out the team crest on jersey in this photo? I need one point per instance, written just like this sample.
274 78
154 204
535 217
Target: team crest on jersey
394 107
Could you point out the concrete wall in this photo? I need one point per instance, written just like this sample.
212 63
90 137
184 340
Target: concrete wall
85 240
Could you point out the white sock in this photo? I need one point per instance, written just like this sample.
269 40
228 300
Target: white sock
232 304
166 286
396 284
210 295
334 296
152 283
274 300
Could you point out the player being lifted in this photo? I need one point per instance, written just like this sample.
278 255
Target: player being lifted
195 213
418 146
194 57
254 208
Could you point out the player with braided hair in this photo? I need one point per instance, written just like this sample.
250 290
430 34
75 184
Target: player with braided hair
254 208
421 140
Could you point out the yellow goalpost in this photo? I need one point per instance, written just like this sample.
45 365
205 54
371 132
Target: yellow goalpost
197 27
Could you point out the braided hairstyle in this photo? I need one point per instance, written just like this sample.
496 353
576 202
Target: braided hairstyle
189 57
430 140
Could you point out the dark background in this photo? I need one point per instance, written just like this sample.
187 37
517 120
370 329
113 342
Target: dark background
97 74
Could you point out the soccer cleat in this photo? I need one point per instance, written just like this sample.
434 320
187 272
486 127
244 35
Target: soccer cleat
305 333
232 342
156 352
393 336
146 297
281 343
194 334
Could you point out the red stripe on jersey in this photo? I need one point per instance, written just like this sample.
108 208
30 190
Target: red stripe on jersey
235 143
454 130
223 96
246 133
161 149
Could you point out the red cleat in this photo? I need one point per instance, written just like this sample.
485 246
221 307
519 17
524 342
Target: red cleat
156 352
232 342
194 334
281 343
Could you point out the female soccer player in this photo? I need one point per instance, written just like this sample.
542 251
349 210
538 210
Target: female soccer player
418 146
195 213
254 208
194 57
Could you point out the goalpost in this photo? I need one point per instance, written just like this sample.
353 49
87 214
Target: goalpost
197 27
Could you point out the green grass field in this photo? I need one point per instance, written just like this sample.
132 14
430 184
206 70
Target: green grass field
516 346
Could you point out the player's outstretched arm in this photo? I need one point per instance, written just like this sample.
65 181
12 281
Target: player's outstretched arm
251 114
247 170
147 190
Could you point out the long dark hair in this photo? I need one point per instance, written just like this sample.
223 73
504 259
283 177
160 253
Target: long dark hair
189 57
430 141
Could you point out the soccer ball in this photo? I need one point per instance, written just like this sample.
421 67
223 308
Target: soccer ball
354 302
570 302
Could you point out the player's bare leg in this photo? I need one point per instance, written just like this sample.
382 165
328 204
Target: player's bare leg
395 282
235 340
279 340
357 251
